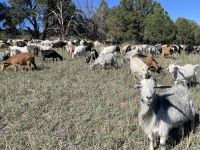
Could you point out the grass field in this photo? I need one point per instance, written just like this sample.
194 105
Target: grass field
66 106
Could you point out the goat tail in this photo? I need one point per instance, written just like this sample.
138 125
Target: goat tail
195 66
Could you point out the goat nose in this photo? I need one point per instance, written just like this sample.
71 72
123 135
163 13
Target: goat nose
149 97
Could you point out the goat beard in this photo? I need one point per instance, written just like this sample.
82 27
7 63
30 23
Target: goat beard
145 111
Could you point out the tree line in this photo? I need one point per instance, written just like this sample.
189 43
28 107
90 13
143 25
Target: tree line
142 21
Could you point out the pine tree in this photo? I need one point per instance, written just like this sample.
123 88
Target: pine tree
99 20
158 27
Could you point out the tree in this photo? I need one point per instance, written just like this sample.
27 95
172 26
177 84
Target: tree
66 18
122 25
158 27
28 14
126 22
197 35
40 17
3 11
89 10
185 31
8 19
142 6
99 21
46 7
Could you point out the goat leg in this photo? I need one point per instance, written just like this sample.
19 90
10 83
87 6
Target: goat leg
29 67
163 142
16 68
35 67
150 137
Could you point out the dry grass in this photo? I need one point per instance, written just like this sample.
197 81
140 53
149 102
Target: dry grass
67 106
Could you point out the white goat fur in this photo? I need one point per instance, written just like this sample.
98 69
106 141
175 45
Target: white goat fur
161 112
97 43
105 59
79 50
128 56
109 49
70 48
138 67
183 73
82 42
14 50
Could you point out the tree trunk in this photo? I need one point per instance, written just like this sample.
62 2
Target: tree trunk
44 34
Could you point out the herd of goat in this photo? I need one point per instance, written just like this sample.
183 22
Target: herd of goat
159 112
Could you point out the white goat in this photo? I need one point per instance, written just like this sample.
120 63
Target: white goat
128 55
161 112
47 43
14 50
39 46
70 48
97 43
79 50
185 73
140 48
138 67
4 55
82 42
110 49
105 60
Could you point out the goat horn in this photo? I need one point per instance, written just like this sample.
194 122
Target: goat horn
163 86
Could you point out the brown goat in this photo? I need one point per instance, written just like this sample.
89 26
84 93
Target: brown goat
150 62
20 59
167 51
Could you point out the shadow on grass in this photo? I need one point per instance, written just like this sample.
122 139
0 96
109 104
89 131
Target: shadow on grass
194 84
175 135
41 68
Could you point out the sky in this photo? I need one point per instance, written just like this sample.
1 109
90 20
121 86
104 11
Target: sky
189 9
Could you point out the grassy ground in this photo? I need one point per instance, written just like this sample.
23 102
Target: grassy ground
66 106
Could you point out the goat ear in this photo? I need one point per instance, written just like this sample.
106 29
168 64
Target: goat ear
148 75
137 86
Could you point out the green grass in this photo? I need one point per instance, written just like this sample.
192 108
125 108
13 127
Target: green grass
65 105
